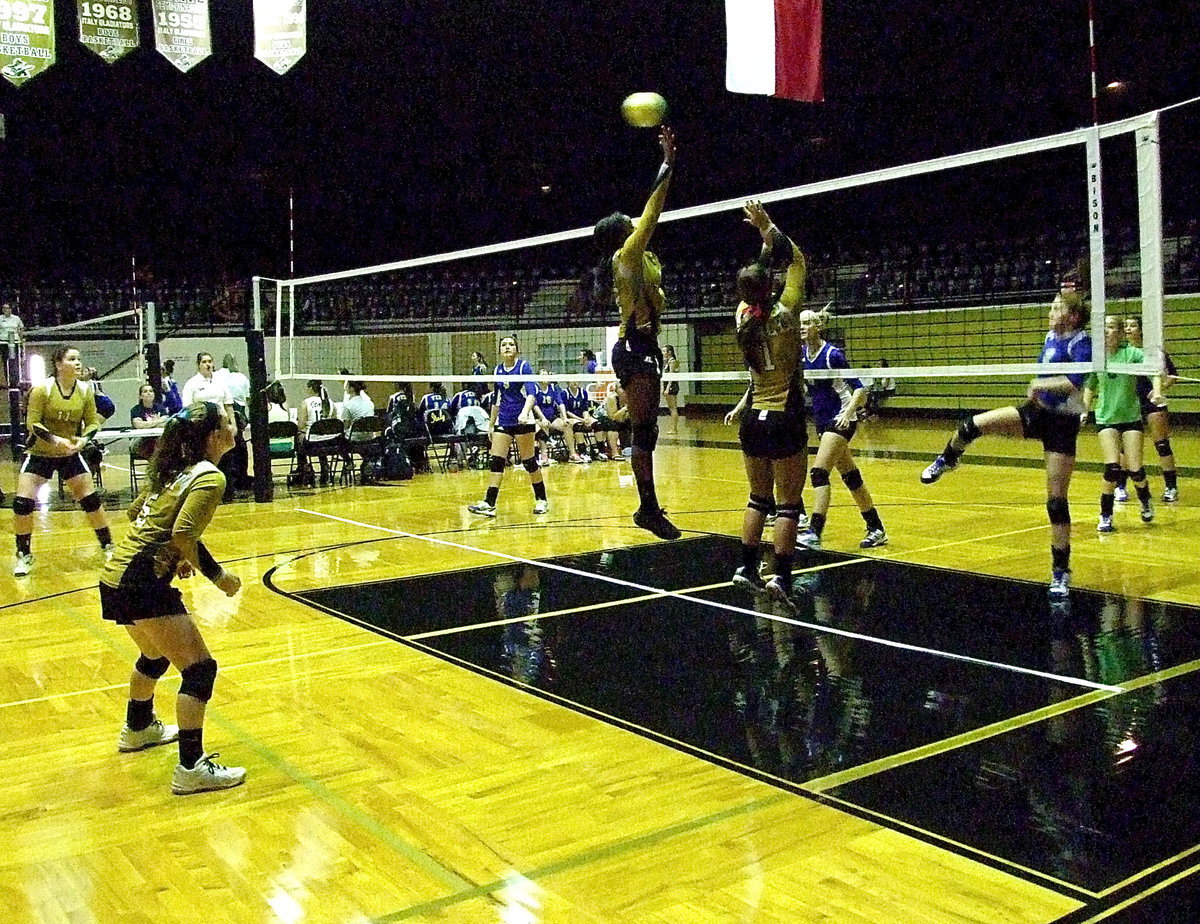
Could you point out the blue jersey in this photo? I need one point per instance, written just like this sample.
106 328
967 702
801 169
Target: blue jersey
829 396
547 401
511 395
433 401
1073 347
465 398
576 402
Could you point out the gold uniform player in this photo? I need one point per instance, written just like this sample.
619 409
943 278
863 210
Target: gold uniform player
772 433
630 275
184 488
60 419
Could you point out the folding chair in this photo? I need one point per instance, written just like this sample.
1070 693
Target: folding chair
281 438
441 436
326 441
365 440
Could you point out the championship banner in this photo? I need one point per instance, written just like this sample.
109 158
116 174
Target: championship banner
280 33
26 38
110 29
181 31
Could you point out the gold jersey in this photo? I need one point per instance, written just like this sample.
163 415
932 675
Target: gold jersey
639 295
184 507
780 384
66 414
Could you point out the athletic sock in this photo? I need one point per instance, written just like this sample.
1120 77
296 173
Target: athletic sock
950 454
539 490
783 567
816 523
1106 505
191 746
139 713
104 534
1143 493
646 492
492 494
872 519
1171 479
1061 558
751 554
24 543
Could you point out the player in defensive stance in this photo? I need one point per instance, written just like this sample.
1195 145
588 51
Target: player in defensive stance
836 403
183 489
1051 414
630 275
60 419
1119 424
512 419
772 433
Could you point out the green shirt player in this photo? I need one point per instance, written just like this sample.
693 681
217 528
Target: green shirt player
1118 423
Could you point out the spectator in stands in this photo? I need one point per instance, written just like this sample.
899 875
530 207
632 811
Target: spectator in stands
587 361
277 412
171 397
148 412
12 337
105 406
612 419
479 366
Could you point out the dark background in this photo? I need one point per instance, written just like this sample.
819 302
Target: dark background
413 127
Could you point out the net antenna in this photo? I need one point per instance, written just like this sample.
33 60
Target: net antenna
870 334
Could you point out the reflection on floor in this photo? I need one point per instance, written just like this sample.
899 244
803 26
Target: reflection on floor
1091 795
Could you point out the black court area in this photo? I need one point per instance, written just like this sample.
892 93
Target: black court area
1057 741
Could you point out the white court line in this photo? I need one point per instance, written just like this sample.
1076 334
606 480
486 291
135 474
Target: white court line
715 604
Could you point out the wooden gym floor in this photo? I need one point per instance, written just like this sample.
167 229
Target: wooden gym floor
648 748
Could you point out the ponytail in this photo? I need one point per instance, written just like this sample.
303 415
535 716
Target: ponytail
752 335
183 442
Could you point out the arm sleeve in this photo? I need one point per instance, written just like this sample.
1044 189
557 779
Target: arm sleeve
837 360
797 273
203 499
1081 352
36 407
91 417
209 566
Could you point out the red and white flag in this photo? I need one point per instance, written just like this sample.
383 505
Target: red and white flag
775 48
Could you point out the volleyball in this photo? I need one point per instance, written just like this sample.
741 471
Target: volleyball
644 110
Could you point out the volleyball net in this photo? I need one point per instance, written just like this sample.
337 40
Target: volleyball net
989 237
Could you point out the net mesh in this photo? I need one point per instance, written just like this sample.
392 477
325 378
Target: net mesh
945 303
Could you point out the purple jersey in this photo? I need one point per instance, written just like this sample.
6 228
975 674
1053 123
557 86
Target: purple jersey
547 401
433 401
1072 347
465 398
829 396
511 394
576 402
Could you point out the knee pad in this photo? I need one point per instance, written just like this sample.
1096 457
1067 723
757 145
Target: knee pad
198 680
91 503
819 477
1112 472
1163 447
531 464
788 513
760 503
852 479
22 506
968 432
1059 510
645 436
1139 475
496 463
151 667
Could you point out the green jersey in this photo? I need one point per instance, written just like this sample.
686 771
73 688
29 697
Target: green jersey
1117 399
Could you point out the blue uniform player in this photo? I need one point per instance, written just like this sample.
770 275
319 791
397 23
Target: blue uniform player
835 405
1051 414
512 419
